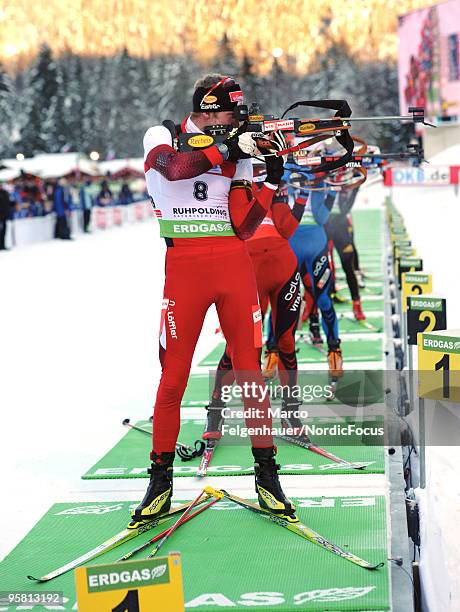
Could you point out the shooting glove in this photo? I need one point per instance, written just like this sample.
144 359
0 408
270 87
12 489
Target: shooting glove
275 165
239 146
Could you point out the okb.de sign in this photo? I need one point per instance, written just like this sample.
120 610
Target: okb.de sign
436 175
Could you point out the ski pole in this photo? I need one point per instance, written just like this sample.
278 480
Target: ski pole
160 535
175 526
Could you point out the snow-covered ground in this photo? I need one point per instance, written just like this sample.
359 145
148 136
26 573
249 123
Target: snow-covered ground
432 217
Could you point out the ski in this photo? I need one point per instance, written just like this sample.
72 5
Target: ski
338 298
369 326
333 383
371 290
321 451
120 538
374 277
206 458
160 535
298 528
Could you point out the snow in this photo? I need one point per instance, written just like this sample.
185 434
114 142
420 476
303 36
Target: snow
432 218
449 156
53 165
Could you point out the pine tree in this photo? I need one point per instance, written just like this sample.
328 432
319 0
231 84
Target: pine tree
251 82
40 92
225 61
95 115
6 114
75 100
126 123
56 125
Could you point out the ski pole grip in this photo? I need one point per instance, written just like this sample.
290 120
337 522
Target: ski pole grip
214 492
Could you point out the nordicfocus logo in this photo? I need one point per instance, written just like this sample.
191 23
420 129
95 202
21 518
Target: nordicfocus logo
191 212
446 344
270 599
171 321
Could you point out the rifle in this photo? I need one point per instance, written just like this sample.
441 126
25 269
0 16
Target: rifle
315 130
302 166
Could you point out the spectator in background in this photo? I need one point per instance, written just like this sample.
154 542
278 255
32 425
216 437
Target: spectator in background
86 203
126 195
48 189
5 209
62 202
36 208
105 196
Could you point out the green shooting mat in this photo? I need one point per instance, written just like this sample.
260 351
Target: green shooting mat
231 557
354 350
129 458
369 303
357 387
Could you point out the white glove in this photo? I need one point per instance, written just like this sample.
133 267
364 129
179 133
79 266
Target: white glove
247 143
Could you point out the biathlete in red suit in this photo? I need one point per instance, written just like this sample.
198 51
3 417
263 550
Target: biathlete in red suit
278 284
206 210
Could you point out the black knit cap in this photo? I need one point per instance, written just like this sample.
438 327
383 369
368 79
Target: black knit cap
223 96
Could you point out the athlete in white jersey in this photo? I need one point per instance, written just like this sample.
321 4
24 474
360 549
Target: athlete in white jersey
206 209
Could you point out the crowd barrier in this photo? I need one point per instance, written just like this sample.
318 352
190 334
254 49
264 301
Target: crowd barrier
21 232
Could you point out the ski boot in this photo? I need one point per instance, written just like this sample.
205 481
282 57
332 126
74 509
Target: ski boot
292 421
268 487
157 499
335 361
315 333
338 298
357 310
270 367
215 420
360 279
